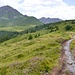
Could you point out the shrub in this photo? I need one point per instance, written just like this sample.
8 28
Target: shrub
68 27
30 37
20 55
37 35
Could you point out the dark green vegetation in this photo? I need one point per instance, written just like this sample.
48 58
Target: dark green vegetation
6 35
68 27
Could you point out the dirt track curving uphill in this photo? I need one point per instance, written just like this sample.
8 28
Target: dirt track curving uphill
66 63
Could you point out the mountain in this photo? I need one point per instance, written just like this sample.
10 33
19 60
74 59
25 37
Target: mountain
7 12
49 20
11 17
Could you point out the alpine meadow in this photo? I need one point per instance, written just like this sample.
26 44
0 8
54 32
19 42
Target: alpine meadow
31 46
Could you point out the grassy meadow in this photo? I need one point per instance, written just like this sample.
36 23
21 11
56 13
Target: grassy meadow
34 53
16 28
34 56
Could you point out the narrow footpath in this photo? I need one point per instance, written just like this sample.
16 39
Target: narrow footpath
67 61
68 67
70 63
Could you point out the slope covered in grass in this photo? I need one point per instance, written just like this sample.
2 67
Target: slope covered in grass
63 26
35 56
72 47
35 51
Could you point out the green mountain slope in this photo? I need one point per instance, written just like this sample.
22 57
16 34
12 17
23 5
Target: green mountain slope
33 57
35 53
63 26
11 18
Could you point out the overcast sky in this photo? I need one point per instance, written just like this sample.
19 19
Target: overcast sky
63 9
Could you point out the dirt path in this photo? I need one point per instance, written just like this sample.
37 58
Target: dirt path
70 63
67 63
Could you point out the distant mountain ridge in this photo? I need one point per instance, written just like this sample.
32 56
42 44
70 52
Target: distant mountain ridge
49 20
11 17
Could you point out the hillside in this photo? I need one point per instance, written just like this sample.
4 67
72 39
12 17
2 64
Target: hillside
62 26
11 19
49 20
35 52
36 56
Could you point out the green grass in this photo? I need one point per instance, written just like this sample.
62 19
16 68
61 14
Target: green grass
35 56
16 28
72 47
